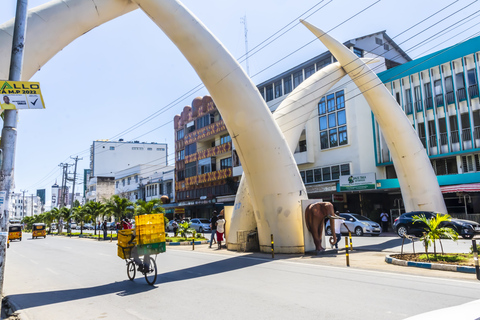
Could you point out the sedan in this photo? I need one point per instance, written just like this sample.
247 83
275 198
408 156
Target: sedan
358 224
405 225
200 225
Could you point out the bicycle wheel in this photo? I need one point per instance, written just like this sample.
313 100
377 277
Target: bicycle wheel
131 271
151 274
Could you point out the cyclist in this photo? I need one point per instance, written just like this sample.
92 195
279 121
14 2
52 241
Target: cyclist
142 267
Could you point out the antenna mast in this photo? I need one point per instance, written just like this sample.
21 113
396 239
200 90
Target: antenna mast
244 21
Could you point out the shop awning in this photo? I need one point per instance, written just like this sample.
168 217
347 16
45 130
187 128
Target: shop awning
470 187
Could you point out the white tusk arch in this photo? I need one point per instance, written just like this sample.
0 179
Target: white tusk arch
418 183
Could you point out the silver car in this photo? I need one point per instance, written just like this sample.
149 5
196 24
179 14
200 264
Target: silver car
357 224
200 225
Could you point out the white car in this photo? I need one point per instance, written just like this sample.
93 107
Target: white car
357 224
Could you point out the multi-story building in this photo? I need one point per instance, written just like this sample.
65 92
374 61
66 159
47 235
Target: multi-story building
439 94
130 183
203 160
109 157
24 205
337 141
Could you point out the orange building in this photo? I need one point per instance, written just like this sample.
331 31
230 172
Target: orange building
203 160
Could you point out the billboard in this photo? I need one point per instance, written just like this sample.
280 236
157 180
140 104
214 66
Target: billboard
16 95
363 181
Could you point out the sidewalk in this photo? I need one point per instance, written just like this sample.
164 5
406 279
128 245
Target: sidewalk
368 256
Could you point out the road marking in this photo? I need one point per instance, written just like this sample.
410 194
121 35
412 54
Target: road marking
54 272
32 261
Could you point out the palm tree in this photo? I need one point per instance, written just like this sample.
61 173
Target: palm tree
55 212
81 214
48 219
434 230
66 215
119 207
95 210
150 207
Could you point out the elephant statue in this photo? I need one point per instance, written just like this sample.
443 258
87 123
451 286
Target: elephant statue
315 215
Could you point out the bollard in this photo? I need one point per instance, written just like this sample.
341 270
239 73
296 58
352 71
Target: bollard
193 243
350 237
346 252
110 235
273 253
475 258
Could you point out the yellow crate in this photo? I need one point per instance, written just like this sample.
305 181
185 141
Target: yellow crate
149 219
120 252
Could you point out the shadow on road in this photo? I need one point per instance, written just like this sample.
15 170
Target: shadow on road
127 287
389 244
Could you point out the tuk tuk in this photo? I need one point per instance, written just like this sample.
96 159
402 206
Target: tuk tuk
38 230
15 232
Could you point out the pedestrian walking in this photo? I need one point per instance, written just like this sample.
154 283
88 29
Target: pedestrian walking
213 225
220 229
104 228
175 228
384 218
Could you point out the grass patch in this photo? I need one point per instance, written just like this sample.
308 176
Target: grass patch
180 239
443 258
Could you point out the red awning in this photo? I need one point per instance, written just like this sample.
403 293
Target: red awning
471 187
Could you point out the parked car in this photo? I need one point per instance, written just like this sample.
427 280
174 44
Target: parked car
111 226
73 226
200 225
405 225
88 226
169 226
357 224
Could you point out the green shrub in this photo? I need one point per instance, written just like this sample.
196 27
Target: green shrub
478 248
443 257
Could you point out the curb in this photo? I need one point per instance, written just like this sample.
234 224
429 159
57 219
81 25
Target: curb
185 243
428 265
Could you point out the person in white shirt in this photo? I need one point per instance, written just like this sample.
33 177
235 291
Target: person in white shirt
384 218
220 229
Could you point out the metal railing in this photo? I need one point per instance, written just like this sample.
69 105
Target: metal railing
466 134
461 94
418 106
408 107
473 91
454 137
443 138
429 102
450 97
432 140
439 100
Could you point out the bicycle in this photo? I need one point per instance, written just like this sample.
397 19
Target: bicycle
150 274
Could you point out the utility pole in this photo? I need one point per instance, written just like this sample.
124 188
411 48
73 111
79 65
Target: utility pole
74 177
244 21
9 131
64 184
23 203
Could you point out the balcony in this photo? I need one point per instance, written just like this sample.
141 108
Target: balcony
205 132
408 108
429 102
418 106
454 137
210 152
476 136
209 177
461 94
450 97
473 91
439 100
432 140
443 138
466 136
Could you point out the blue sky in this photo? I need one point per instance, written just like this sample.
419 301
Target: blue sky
125 70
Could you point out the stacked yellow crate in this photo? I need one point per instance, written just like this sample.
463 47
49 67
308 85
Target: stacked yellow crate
124 236
150 233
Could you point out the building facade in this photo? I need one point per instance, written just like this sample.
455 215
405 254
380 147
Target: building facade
203 160
439 95
24 205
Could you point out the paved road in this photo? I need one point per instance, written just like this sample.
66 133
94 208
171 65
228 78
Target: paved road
63 278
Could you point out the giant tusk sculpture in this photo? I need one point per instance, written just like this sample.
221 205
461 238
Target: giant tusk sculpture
271 174
418 183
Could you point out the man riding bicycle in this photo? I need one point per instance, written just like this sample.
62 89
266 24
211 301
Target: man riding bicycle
142 266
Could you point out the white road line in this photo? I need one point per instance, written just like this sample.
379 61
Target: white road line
54 272
32 261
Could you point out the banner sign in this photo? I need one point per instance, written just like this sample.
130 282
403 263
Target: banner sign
358 182
20 95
